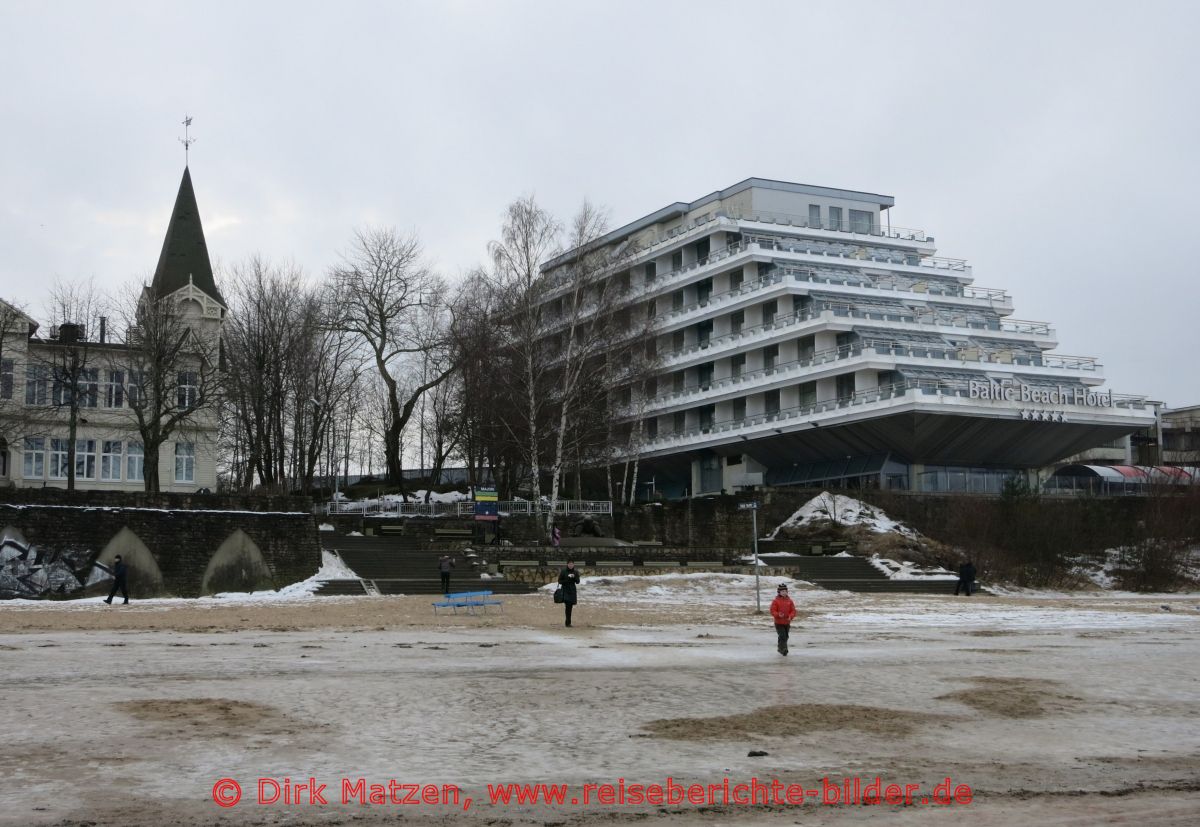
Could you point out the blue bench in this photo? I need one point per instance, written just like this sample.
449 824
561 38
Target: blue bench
469 601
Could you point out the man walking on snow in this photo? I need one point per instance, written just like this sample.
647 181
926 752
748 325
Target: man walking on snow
783 610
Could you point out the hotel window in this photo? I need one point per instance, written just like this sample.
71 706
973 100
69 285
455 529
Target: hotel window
704 332
185 462
737 363
652 428
806 346
677 260
188 389
37 382
677 340
736 278
59 448
651 271
845 386
110 459
771 401
737 320
861 221
114 391
835 218
677 300
677 381
703 290
85 459
769 311
808 393
814 215
135 462
770 356
704 375
35 458
707 413
739 408
679 422
703 248
6 378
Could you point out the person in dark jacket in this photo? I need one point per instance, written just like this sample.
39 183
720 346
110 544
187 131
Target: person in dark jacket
120 574
567 580
966 578
444 566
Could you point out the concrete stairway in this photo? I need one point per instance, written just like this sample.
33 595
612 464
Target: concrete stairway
404 565
854 574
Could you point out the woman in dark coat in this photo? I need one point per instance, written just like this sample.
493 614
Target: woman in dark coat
567 580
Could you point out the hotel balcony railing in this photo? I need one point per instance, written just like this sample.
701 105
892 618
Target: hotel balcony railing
917 287
458 509
852 228
783 219
715 300
837 310
868 347
915 387
667 279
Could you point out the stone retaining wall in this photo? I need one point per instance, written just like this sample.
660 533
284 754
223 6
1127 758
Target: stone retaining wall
252 544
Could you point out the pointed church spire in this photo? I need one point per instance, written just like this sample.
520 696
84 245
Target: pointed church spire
184 259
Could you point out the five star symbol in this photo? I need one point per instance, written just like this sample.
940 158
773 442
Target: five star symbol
1042 416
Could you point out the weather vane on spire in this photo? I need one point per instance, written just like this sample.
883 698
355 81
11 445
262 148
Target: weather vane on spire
186 140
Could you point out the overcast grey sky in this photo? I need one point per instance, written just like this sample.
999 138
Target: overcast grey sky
1052 144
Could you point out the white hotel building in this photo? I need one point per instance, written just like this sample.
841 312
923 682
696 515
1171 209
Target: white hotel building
802 340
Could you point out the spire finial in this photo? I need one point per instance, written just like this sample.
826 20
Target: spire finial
186 140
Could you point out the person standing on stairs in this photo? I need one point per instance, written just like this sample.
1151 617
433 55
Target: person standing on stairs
444 566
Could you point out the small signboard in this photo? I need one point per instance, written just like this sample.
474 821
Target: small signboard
487 506
750 506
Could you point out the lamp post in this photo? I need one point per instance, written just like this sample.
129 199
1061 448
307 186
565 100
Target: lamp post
752 507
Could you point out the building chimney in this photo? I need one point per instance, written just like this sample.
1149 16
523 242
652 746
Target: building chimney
103 328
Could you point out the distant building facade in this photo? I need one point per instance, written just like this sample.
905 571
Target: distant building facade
108 385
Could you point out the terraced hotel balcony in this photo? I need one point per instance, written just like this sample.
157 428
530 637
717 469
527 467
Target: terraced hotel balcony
914 240
760 289
876 401
792 323
881 354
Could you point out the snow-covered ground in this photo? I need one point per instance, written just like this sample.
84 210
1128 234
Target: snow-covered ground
847 511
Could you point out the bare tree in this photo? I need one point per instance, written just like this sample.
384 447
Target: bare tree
391 300
171 367
529 236
587 332
68 360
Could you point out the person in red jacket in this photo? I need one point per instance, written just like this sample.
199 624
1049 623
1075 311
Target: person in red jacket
783 610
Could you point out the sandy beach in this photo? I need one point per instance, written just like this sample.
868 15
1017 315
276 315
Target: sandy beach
1050 708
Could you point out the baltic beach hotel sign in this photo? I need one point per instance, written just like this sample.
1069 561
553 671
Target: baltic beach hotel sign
1011 390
